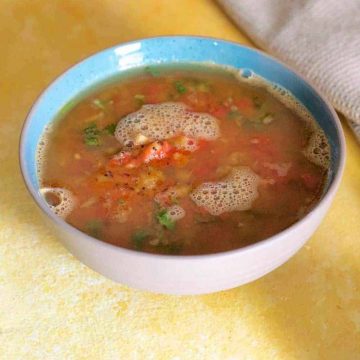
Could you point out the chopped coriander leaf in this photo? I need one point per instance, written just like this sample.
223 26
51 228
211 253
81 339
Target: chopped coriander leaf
94 227
138 238
91 130
164 219
92 141
91 135
180 88
110 129
152 71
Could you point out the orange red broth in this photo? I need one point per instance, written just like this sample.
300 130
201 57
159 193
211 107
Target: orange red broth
116 204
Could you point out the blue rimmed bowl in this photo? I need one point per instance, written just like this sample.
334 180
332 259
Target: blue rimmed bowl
180 274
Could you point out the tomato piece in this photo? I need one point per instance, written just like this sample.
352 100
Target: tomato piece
245 106
179 159
158 150
219 111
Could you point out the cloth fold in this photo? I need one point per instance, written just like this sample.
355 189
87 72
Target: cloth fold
319 38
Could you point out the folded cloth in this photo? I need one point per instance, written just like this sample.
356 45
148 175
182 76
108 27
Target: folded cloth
319 38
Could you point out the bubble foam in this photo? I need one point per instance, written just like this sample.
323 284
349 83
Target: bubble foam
175 212
235 193
164 121
41 151
317 150
66 198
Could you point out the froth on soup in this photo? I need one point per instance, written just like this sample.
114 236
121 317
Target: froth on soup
185 159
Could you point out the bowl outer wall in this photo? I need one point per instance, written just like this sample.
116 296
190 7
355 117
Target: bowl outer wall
179 274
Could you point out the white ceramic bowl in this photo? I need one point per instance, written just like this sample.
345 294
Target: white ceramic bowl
180 274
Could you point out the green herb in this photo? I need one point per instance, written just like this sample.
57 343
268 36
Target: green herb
164 219
99 103
91 135
121 202
138 238
152 71
180 88
91 130
92 141
94 227
110 129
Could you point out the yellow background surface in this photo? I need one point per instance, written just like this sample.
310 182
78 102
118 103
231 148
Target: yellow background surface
53 307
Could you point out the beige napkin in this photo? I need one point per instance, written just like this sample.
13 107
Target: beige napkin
319 38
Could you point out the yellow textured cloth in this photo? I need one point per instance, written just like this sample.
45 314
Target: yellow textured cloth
53 307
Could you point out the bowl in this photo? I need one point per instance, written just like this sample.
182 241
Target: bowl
180 274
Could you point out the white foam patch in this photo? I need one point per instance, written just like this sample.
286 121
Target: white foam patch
189 147
41 151
66 198
235 193
175 212
318 150
164 121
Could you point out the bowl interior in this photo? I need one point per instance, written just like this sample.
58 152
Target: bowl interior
108 63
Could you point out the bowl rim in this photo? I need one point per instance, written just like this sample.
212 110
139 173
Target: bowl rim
327 197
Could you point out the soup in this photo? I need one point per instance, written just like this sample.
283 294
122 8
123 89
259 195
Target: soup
185 159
